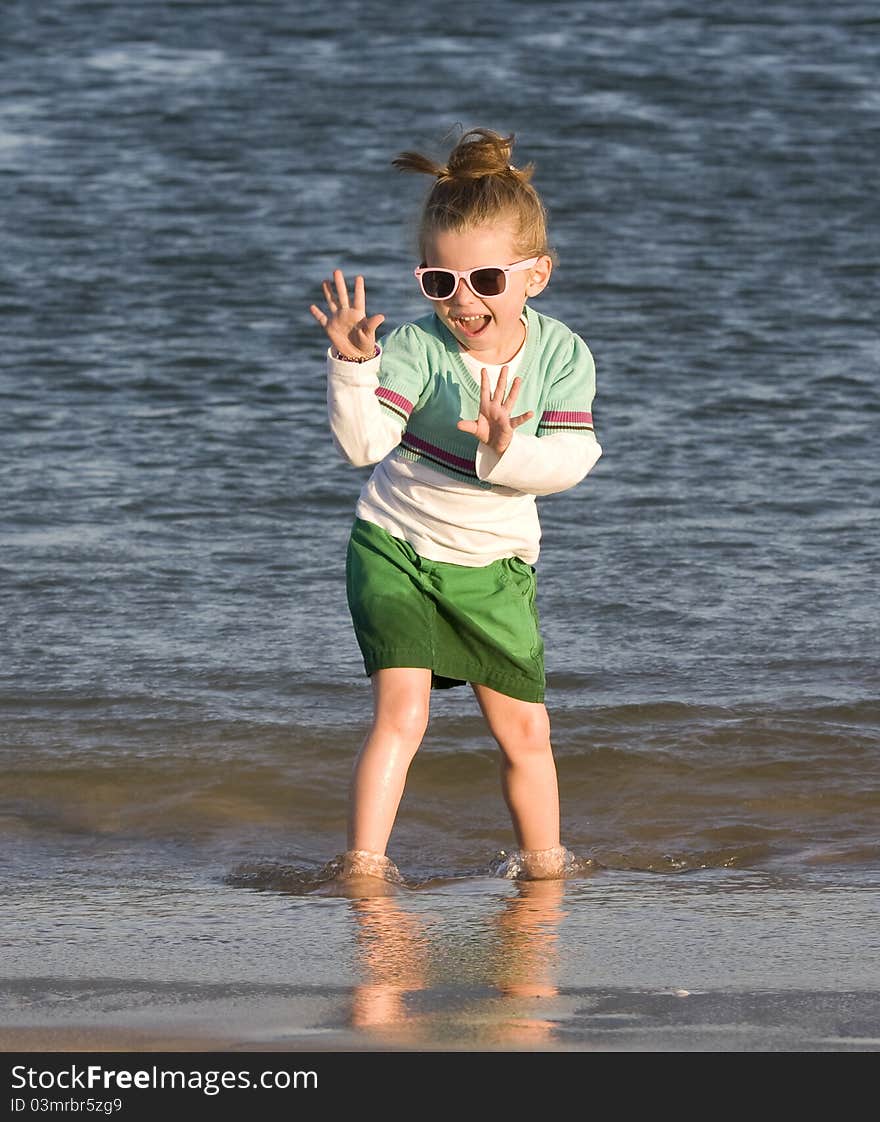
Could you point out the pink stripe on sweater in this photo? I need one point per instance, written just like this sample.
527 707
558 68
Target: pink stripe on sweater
566 416
410 441
394 398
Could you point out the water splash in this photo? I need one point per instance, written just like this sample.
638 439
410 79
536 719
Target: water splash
340 876
336 877
520 865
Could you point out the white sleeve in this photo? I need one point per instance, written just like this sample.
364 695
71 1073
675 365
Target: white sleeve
540 465
362 430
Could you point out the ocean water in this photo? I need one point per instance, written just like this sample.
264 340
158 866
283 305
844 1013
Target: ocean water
181 695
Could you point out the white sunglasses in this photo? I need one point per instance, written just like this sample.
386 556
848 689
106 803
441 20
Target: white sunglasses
486 280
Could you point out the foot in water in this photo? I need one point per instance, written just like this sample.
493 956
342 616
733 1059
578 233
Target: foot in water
362 873
362 863
538 864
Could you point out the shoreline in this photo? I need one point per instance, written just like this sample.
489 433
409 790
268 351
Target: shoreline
606 1021
716 961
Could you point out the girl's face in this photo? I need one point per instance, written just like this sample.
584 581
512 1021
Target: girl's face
489 328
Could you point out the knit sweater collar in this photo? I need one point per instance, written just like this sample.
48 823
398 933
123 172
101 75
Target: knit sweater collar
452 346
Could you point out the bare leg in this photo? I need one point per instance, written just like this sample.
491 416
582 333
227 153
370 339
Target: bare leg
528 777
401 703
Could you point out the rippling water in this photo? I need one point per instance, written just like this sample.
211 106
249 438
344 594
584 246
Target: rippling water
179 680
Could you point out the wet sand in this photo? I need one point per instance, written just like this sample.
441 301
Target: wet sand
614 962
612 1022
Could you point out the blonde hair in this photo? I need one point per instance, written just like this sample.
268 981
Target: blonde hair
477 186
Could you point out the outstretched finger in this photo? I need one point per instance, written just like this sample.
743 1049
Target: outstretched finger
514 392
341 289
501 385
328 295
360 295
485 390
318 314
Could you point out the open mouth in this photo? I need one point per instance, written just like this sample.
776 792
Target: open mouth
471 326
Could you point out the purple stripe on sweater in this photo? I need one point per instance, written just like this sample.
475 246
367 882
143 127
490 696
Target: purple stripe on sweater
410 441
394 399
565 416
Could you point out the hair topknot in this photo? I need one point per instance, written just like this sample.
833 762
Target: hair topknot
478 184
480 152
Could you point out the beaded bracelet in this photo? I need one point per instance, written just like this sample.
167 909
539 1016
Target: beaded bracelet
360 358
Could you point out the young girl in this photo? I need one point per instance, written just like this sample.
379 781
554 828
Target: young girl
469 413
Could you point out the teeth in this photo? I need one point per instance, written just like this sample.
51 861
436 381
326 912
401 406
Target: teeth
467 319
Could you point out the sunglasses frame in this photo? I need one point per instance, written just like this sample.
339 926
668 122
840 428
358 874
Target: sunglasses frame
459 275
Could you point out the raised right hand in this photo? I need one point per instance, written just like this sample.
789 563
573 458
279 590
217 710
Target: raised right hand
495 422
350 330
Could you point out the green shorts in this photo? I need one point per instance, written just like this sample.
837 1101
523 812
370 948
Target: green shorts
465 624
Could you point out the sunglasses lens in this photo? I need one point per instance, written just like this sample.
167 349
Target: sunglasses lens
438 284
488 282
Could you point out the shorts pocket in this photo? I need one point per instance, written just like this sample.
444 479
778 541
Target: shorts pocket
516 573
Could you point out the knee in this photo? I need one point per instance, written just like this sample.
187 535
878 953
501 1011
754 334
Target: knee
406 720
526 734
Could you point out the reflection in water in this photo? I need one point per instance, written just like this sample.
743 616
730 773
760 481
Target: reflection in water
513 956
392 953
528 962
